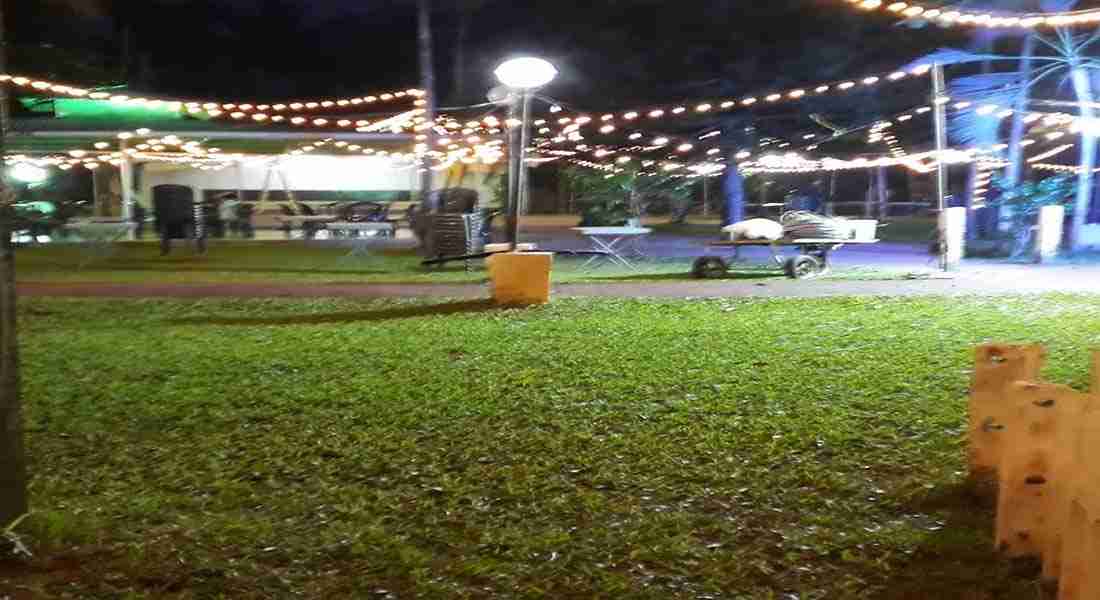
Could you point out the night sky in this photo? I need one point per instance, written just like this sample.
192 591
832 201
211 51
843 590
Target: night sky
611 52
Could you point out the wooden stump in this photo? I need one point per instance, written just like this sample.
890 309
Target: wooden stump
995 367
1035 473
1096 372
1080 575
1077 560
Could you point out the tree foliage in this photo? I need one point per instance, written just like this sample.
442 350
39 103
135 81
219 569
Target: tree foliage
1021 203
609 199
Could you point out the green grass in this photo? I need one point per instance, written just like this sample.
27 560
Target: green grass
588 449
300 264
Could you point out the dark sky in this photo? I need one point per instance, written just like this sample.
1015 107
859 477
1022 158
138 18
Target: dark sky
609 51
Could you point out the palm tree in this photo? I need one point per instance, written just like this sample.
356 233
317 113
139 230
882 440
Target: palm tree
13 460
1067 56
467 11
427 78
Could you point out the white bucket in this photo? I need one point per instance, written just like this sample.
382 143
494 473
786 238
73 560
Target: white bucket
864 230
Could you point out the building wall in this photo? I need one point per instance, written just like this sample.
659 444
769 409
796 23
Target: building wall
316 173
301 173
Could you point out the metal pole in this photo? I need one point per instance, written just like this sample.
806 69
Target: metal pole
524 170
126 182
515 161
97 205
939 105
706 194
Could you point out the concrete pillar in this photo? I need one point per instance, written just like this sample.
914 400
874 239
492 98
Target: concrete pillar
953 234
1048 238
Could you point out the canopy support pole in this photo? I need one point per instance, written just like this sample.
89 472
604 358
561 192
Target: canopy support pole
126 182
939 104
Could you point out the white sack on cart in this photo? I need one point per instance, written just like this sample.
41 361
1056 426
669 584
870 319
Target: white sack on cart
755 229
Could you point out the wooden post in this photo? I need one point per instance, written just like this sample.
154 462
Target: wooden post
1036 471
1075 566
1095 372
995 368
1073 450
1079 554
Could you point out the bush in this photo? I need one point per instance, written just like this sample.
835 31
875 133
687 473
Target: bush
1020 205
610 199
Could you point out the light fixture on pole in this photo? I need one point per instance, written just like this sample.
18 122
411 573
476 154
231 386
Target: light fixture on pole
522 76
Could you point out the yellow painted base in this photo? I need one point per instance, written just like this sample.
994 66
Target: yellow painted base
521 278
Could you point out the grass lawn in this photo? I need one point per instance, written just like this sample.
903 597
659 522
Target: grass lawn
301 264
759 449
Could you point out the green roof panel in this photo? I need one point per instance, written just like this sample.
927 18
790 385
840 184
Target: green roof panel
102 110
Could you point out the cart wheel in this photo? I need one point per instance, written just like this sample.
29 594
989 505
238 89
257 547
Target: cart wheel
803 267
709 267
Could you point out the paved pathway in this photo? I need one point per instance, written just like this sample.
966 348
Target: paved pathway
977 279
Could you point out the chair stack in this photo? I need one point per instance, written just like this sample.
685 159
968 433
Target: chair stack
454 235
803 224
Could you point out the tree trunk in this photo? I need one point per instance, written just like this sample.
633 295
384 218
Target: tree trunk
1082 86
427 82
13 460
462 38
994 220
734 191
881 193
972 225
1015 150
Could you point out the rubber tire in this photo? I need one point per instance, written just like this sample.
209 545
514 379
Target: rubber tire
709 267
803 267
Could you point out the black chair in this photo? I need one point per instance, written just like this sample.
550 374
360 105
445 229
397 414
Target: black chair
287 212
243 225
178 216
454 235
309 229
362 212
452 201
365 212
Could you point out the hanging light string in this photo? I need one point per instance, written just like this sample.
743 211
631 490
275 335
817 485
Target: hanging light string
913 10
41 86
609 122
879 131
262 114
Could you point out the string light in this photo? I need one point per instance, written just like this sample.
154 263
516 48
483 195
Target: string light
173 104
801 93
981 19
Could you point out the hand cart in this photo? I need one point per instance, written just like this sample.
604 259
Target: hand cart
812 259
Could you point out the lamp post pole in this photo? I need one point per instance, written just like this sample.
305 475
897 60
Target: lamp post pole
515 164
519 173
521 76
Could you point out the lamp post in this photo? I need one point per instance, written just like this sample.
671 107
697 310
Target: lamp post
522 76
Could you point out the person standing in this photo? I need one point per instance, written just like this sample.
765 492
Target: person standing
227 213
137 215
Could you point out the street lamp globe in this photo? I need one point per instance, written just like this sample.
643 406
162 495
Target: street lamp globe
28 173
526 73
